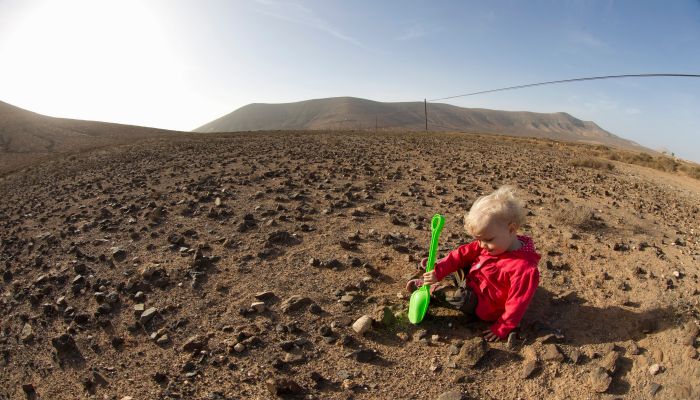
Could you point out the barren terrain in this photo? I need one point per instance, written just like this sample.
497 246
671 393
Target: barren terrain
234 266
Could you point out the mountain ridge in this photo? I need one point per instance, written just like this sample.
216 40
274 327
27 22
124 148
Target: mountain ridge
363 114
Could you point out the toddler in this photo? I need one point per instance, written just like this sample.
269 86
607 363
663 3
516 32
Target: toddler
496 275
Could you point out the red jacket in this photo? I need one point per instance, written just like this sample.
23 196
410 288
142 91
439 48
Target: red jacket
503 284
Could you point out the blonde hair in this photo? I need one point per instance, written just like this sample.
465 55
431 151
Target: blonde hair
501 204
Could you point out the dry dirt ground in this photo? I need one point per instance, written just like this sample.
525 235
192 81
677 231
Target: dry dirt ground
233 266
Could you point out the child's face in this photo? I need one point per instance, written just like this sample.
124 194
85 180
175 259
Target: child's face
495 236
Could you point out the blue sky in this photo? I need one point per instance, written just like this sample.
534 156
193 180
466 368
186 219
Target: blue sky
179 64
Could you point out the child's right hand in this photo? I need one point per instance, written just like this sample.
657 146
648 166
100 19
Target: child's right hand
429 278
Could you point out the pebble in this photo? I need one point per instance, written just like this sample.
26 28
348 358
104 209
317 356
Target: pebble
258 306
609 362
283 387
27 334
654 388
452 395
147 315
599 380
362 325
472 352
550 352
239 347
654 369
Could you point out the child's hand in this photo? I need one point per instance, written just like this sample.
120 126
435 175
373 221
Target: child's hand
489 336
429 278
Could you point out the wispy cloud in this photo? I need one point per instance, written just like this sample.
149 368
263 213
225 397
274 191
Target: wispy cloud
587 39
299 14
414 32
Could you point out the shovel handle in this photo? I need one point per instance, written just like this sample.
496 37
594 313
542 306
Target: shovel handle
436 227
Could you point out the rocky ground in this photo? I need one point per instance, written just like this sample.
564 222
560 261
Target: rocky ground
266 265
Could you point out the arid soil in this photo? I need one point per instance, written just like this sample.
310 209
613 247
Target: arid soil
235 266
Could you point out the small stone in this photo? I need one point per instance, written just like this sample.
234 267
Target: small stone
283 387
654 369
362 325
347 298
163 340
239 347
435 338
529 367
550 352
193 343
471 352
29 390
599 380
258 306
454 350
364 355
294 303
420 334
452 395
654 388
27 334
118 254
609 362
634 349
147 315
265 296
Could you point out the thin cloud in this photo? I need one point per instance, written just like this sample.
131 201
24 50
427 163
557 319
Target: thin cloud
299 14
586 39
413 32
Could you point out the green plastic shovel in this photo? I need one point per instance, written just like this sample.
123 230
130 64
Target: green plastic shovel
420 299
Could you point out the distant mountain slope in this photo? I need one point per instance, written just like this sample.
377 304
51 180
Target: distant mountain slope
26 136
354 113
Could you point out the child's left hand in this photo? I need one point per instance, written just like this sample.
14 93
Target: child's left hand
489 336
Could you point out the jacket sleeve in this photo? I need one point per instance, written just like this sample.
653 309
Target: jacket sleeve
456 259
522 289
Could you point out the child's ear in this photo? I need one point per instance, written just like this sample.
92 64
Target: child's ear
512 227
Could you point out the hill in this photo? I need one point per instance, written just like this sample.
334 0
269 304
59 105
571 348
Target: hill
26 136
354 113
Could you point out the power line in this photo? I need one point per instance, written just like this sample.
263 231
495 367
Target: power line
572 80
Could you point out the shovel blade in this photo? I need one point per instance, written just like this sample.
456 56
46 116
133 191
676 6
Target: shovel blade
418 305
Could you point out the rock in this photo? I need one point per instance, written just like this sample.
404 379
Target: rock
194 343
29 390
634 349
454 349
364 355
283 387
420 334
148 315
599 380
362 325
265 296
66 348
528 368
314 262
654 369
294 303
689 333
471 352
239 347
348 298
691 353
118 254
452 395
258 306
550 352
27 334
654 388
609 362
